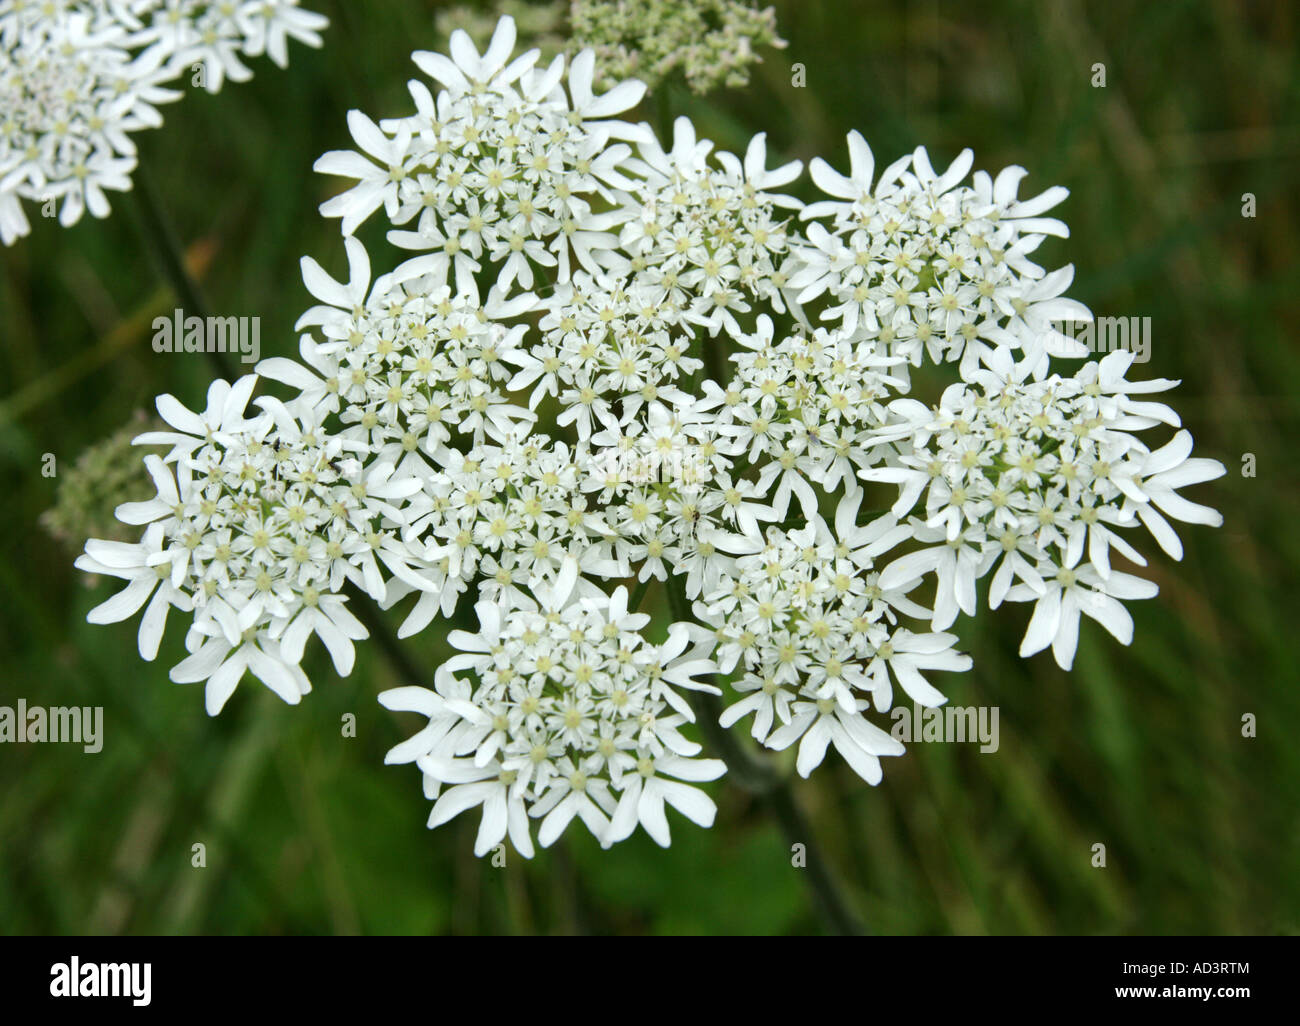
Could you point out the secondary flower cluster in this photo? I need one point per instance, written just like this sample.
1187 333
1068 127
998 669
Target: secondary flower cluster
924 266
600 363
710 43
256 525
804 616
1028 476
104 476
79 77
570 713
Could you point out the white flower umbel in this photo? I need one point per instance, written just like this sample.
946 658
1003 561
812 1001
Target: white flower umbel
807 624
556 710
79 77
706 234
256 526
927 266
1022 479
503 171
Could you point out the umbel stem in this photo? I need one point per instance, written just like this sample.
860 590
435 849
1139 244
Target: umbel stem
760 778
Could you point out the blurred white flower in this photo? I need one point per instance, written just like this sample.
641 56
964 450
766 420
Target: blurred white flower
79 77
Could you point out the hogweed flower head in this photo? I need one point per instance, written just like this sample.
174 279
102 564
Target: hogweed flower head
594 359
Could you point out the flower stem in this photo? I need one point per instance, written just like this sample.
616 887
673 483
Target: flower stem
664 117
160 237
373 619
760 777
634 603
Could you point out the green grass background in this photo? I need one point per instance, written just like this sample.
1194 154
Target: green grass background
1139 748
